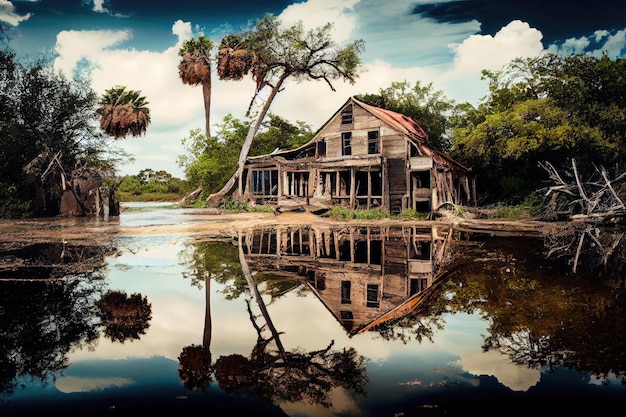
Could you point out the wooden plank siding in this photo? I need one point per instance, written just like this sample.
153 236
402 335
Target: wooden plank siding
362 158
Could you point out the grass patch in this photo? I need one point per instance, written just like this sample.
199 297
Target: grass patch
344 213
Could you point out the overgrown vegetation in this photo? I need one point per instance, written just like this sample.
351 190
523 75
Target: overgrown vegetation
149 185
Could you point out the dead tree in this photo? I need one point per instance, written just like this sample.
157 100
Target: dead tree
596 209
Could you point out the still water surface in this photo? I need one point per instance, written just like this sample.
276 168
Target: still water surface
498 333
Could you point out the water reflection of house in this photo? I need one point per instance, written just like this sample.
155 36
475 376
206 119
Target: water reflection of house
364 157
361 273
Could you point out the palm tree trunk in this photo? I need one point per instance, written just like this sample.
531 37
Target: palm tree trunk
206 94
206 337
215 199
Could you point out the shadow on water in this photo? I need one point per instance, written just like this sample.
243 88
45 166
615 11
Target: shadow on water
395 284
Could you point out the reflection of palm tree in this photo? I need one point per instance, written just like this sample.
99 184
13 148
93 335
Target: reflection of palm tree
205 261
124 317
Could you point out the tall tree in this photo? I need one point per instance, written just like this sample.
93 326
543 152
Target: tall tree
123 112
195 68
272 53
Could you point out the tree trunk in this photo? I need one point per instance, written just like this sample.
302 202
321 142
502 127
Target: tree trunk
208 328
206 95
215 199
255 291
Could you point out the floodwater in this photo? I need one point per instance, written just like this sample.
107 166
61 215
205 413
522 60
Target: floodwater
379 322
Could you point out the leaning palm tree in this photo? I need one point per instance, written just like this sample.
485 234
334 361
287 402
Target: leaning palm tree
123 112
195 68
271 54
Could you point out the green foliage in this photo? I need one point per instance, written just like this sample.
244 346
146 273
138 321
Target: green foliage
344 213
428 108
151 185
210 163
412 215
548 108
43 116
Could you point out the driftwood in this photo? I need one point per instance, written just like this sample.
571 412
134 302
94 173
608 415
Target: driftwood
190 198
596 206
593 200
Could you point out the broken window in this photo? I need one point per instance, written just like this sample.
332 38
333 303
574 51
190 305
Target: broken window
373 144
345 292
265 182
372 295
346 115
346 143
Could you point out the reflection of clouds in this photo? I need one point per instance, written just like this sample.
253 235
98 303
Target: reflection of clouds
462 337
69 384
518 378
343 404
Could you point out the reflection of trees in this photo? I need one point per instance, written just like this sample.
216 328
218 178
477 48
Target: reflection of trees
124 317
41 322
278 375
204 262
543 316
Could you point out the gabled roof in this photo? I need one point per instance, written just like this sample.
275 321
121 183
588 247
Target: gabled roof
397 121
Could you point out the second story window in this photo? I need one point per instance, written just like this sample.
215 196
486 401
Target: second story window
346 143
373 144
346 115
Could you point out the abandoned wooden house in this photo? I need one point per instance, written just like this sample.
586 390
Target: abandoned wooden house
363 274
364 157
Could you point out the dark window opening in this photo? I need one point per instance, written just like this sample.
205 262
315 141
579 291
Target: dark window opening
376 252
422 206
372 295
377 183
321 148
347 318
361 182
346 115
373 144
346 143
420 250
360 252
345 292
417 285
421 179
265 182
344 251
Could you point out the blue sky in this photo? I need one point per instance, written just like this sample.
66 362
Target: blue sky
446 43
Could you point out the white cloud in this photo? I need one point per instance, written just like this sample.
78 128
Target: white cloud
515 40
8 15
315 13
98 6
614 45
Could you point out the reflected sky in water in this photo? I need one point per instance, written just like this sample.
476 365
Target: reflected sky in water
402 377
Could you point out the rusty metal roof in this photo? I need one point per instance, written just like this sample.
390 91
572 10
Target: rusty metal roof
399 122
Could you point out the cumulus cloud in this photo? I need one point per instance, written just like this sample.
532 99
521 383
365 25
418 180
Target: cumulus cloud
315 13
8 15
515 40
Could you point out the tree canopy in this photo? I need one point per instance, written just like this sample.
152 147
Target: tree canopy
46 120
547 108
